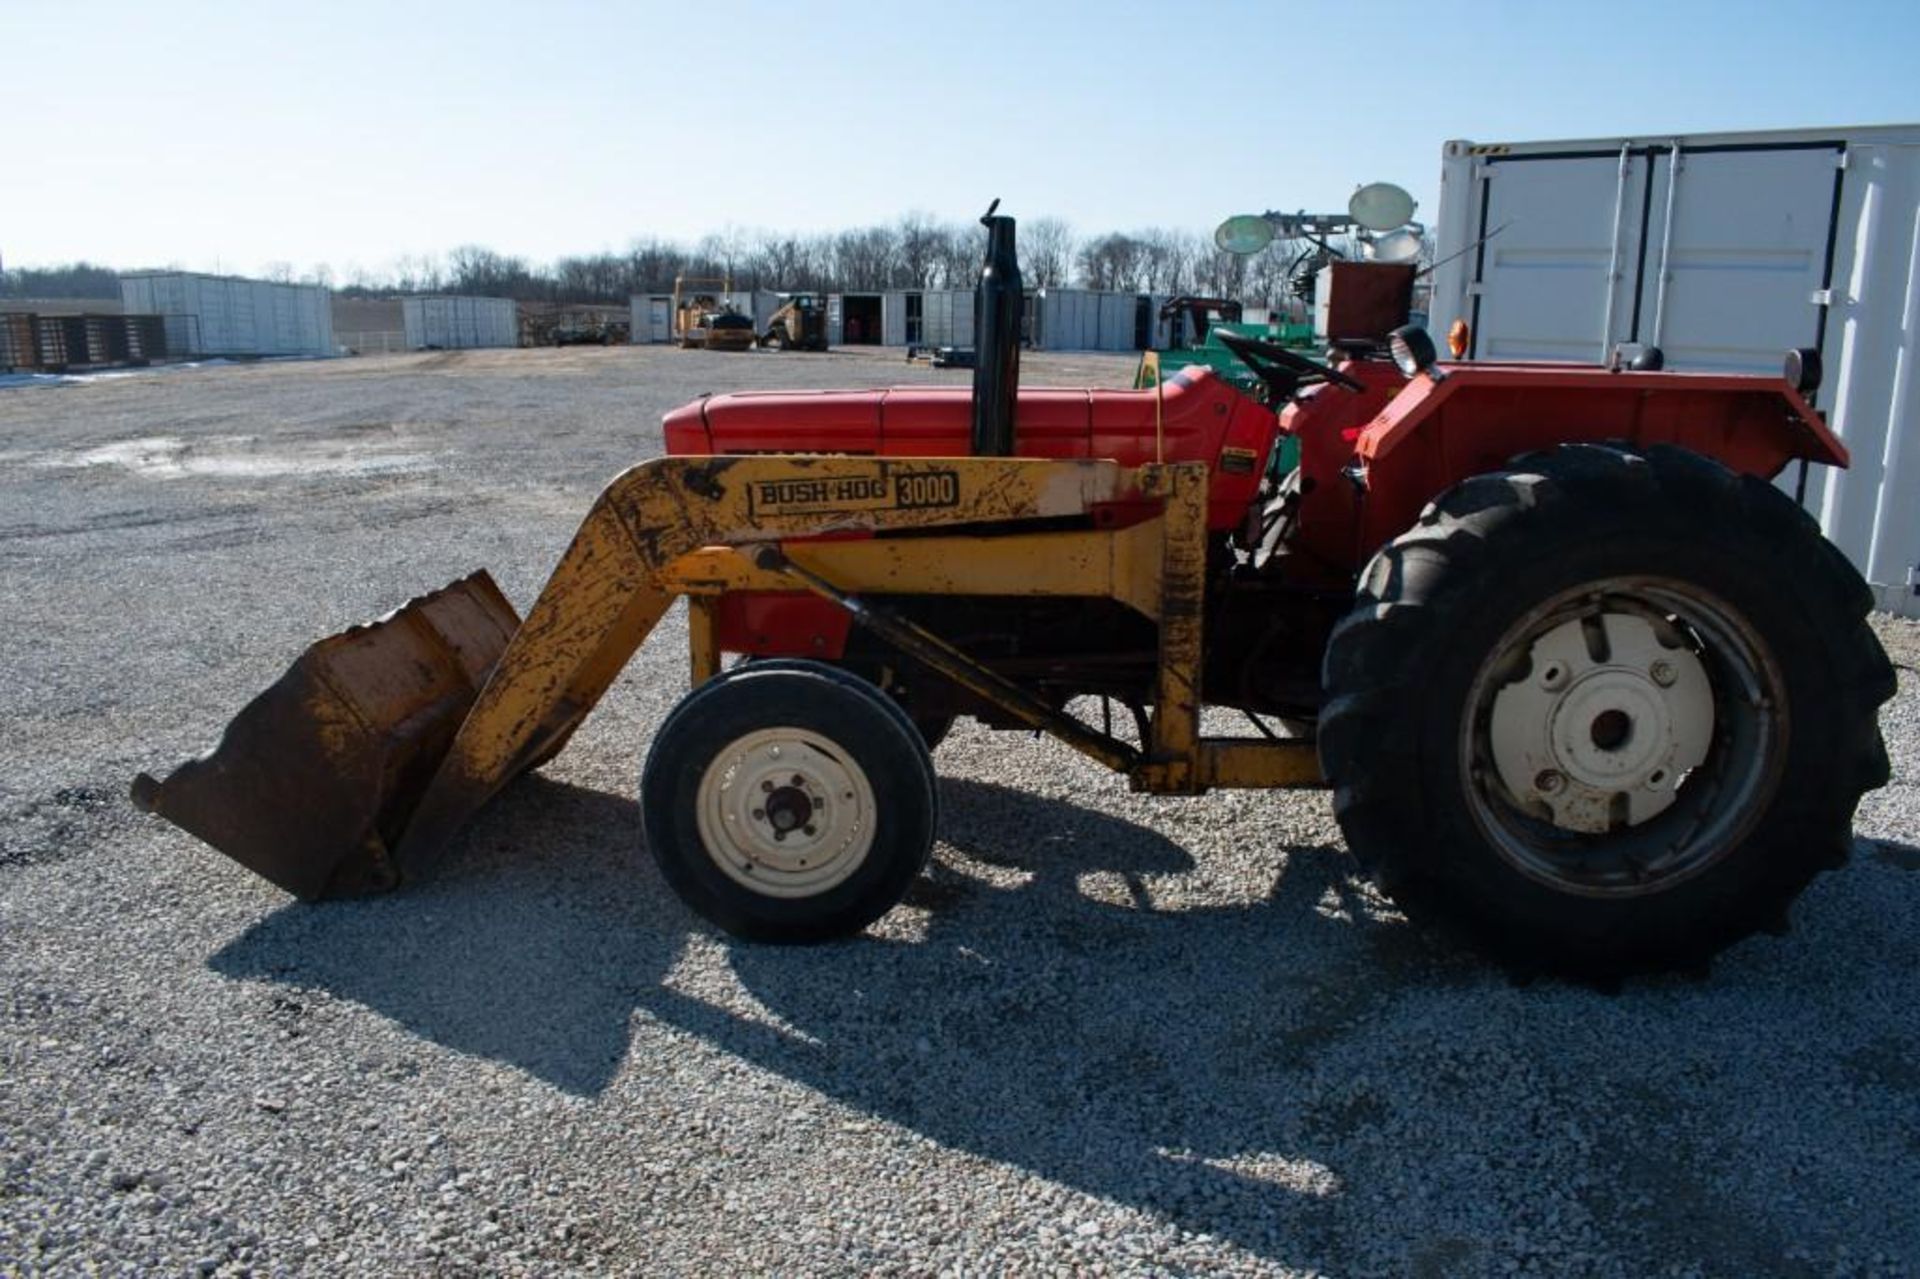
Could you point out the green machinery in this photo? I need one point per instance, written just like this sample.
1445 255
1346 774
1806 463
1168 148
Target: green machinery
1210 352
1211 319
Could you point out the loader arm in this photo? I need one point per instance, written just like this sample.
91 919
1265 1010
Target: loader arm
608 591
359 763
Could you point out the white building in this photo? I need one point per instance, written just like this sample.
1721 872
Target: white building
459 323
1092 320
227 315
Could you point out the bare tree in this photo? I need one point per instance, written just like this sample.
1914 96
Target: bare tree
779 260
653 264
865 259
715 255
963 247
1111 262
918 250
77 280
420 273
1046 253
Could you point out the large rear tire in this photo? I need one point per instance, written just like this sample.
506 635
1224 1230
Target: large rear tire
788 801
1604 713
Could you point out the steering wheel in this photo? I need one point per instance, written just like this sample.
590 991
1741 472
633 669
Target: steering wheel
1284 371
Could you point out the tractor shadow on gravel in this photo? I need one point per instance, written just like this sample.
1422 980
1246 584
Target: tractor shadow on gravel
529 944
1160 1056
1284 1073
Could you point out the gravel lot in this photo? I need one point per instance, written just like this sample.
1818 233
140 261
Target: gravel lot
1109 1034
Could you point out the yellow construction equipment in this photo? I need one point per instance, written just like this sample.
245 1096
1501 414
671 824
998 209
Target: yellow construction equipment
707 319
800 324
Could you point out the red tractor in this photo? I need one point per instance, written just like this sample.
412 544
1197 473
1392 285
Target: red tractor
1588 687
1590 690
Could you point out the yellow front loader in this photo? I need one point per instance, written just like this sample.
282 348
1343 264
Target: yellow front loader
363 760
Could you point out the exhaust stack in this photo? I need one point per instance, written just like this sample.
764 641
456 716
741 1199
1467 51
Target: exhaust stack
997 303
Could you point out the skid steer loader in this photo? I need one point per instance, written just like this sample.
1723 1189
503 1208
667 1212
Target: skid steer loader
1590 691
799 325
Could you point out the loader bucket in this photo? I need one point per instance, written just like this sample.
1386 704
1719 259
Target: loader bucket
312 784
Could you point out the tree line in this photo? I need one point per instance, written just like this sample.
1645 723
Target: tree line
915 251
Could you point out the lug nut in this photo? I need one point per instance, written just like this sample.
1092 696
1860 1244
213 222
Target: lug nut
799 780
819 802
808 829
778 834
759 814
1662 673
766 788
1548 781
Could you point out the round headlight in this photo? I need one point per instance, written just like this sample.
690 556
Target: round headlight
1803 369
1412 349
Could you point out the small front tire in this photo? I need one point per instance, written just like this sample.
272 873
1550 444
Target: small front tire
788 802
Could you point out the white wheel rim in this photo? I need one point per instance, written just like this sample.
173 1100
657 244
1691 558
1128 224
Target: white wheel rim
785 812
1664 795
1608 720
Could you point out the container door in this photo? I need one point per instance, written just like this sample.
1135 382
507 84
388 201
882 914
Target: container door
1872 387
1559 253
1738 250
915 331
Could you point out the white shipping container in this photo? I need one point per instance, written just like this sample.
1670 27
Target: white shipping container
1064 320
861 319
946 317
1162 333
893 318
1723 250
1090 320
459 323
1118 321
765 303
650 318
227 315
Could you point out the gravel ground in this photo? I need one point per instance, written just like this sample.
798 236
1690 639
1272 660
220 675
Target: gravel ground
1109 1034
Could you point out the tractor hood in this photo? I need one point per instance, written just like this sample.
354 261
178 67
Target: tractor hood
1196 417
1193 416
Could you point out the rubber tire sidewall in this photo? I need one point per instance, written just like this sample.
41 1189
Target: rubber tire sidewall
841 709
840 671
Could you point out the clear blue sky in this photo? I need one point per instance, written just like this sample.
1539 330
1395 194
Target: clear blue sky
228 136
